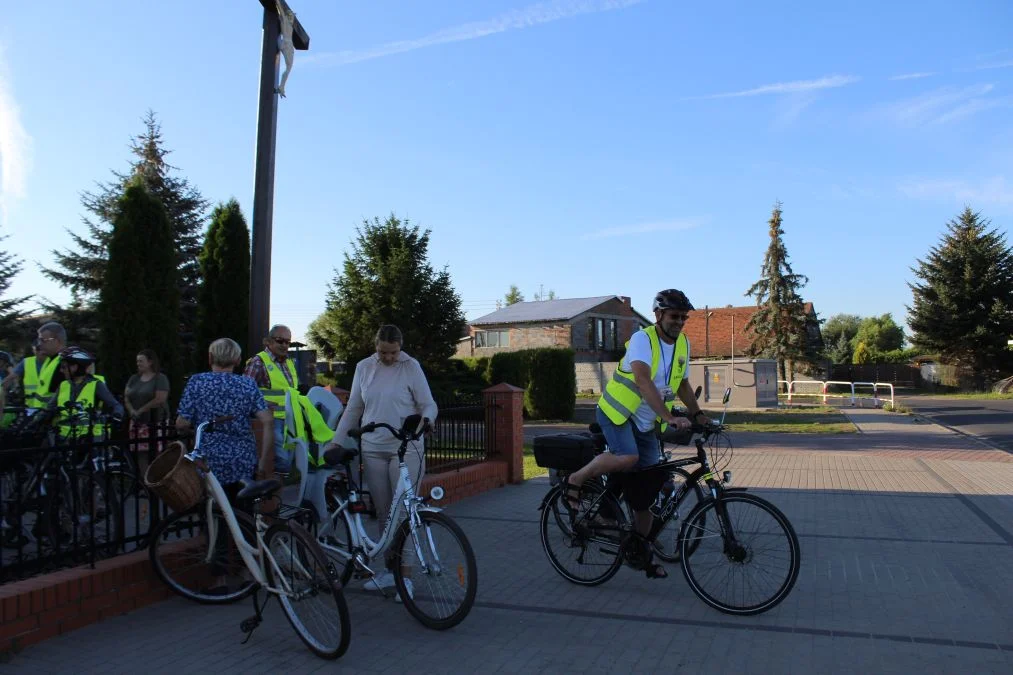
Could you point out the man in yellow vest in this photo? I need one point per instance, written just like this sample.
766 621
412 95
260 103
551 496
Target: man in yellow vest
39 374
638 398
79 394
275 374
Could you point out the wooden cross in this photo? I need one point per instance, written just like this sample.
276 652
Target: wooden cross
263 183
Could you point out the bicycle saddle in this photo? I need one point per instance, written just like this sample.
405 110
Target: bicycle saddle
340 455
258 488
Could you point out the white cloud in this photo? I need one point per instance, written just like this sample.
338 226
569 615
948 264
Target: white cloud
943 105
532 15
794 87
994 66
912 76
995 191
15 144
645 228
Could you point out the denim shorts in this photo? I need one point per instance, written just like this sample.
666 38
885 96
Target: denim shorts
625 439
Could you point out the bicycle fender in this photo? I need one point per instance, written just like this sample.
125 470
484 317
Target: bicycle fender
734 489
431 509
547 497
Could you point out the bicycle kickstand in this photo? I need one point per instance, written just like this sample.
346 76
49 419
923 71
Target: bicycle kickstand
249 625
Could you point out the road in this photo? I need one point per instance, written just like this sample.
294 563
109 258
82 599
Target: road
991 420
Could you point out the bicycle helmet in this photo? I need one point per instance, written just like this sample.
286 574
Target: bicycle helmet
672 299
71 355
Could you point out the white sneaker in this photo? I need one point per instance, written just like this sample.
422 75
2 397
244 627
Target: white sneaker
409 589
379 582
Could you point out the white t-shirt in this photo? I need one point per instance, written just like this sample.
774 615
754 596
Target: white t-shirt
640 350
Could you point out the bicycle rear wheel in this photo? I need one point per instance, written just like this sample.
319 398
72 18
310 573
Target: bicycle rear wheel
750 569
199 560
435 572
666 541
584 550
310 597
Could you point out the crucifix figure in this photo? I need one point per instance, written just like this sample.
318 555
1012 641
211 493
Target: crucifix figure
286 19
283 34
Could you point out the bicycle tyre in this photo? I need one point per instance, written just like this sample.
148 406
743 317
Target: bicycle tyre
720 589
299 553
666 540
340 538
556 545
169 557
427 590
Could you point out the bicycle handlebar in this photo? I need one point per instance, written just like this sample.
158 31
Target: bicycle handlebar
403 435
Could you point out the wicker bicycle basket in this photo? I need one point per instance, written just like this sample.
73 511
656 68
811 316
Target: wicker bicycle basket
175 479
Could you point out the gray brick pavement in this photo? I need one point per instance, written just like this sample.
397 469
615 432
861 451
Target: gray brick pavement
905 569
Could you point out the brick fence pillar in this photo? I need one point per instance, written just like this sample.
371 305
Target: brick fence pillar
504 423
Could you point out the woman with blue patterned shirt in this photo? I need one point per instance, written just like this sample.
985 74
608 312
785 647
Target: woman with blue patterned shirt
231 450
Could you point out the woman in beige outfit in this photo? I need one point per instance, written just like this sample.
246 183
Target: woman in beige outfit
387 387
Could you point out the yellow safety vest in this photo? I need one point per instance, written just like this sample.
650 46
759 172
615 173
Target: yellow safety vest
276 394
36 384
319 432
71 423
622 397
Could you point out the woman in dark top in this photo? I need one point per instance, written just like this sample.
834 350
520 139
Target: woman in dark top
146 399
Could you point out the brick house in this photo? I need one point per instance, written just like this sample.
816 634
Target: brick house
595 328
710 331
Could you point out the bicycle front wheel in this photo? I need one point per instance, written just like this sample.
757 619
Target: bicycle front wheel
585 549
309 594
435 572
747 555
198 559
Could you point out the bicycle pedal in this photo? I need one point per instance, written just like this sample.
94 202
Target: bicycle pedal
249 625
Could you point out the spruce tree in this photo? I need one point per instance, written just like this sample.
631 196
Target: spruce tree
963 302
513 296
11 311
779 323
387 278
83 270
223 301
139 298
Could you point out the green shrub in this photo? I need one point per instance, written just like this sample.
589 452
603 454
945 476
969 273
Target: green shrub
512 368
551 384
479 366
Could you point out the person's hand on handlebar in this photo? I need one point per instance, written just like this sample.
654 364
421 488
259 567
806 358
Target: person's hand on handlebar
701 419
678 422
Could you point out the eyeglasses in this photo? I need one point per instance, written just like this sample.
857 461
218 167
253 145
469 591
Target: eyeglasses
282 341
48 339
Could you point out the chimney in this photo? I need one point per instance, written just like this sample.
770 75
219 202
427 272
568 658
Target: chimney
626 300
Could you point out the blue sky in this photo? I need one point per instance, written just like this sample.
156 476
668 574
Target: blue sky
590 147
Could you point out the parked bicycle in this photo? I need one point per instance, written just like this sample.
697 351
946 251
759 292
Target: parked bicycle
209 553
435 573
738 552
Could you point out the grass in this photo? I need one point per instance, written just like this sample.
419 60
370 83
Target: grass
809 420
532 470
973 396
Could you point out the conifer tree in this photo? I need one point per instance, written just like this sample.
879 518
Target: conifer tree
779 323
963 302
223 300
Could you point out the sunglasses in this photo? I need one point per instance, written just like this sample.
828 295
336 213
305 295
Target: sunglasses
282 341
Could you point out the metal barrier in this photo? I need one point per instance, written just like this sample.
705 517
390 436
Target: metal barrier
792 392
461 435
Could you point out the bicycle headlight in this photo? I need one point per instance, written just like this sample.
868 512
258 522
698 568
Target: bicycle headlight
727 477
436 493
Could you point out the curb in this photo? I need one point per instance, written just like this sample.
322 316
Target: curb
987 443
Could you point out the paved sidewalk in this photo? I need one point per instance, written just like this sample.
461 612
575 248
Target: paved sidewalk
907 542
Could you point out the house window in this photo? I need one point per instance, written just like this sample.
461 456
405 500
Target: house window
599 334
612 337
492 338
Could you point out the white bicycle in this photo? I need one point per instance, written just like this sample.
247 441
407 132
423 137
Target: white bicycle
209 553
435 573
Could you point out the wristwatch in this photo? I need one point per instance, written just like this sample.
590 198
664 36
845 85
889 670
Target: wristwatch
696 414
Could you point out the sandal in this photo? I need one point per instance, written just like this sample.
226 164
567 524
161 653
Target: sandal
654 571
571 495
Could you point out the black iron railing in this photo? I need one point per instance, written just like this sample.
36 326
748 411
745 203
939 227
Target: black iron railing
463 435
73 501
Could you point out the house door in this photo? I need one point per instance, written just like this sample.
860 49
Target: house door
714 386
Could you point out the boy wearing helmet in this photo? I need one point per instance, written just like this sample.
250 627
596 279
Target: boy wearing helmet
79 387
637 398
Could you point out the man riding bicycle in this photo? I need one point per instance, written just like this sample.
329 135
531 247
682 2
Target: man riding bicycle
639 397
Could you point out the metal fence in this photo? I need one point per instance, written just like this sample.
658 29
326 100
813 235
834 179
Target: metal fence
462 434
68 502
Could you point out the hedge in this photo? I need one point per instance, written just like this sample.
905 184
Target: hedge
551 384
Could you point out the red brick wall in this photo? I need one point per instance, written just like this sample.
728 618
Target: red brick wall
720 329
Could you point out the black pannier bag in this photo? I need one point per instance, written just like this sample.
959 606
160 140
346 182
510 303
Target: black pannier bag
566 452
